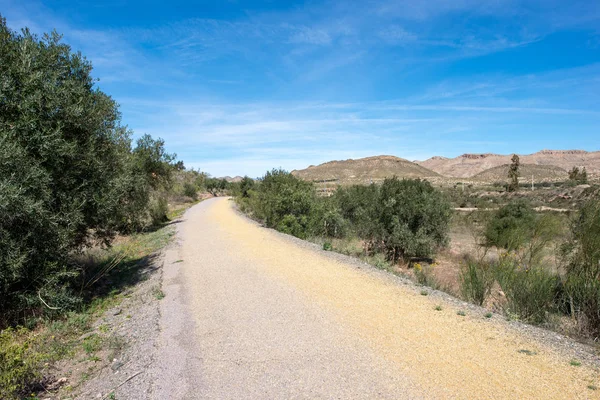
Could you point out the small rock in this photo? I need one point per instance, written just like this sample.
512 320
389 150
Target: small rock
116 365
117 311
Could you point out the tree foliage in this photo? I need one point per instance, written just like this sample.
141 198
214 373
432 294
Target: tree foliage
402 218
68 174
582 263
578 176
509 228
411 218
513 174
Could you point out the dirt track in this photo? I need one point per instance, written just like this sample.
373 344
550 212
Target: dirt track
250 313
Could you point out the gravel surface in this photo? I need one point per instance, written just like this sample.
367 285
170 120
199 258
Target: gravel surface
251 313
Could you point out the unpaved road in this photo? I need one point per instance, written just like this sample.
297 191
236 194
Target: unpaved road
250 313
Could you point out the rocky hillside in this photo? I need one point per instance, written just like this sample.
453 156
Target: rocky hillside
469 165
364 170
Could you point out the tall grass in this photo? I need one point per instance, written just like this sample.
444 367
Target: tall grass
476 280
530 292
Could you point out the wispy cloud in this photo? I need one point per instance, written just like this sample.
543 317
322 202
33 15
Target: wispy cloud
338 79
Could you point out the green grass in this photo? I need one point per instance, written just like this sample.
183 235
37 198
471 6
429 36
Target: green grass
575 363
424 292
158 293
438 308
92 344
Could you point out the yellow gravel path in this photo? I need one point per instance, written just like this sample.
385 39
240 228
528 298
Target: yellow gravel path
449 355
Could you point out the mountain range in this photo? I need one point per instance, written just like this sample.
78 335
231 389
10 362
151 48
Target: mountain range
543 165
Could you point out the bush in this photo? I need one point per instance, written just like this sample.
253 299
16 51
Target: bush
68 174
530 292
246 185
582 278
294 225
284 201
190 190
509 227
476 281
19 366
411 218
356 205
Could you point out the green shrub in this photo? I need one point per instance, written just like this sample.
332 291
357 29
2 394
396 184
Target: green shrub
327 246
293 225
476 280
190 190
285 202
530 292
19 365
356 205
509 228
246 185
411 219
582 277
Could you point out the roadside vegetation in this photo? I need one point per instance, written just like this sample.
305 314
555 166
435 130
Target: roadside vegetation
83 206
399 219
537 267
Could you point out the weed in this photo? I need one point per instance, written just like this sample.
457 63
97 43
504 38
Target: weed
461 313
489 315
424 292
380 262
178 261
92 344
327 246
438 308
592 387
158 293
575 363
425 276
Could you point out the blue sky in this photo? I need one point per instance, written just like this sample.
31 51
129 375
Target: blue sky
239 87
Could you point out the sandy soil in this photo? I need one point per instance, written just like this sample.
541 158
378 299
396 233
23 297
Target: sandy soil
252 313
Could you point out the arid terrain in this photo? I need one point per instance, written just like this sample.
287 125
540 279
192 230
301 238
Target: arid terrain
470 165
544 166
363 170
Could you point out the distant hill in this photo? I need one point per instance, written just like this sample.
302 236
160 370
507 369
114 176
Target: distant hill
540 173
469 165
235 179
363 170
